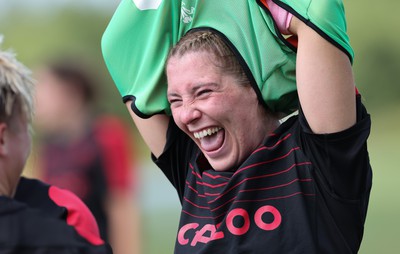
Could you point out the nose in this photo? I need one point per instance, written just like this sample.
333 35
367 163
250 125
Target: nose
189 113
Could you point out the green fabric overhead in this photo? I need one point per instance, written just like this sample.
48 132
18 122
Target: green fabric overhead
141 32
325 16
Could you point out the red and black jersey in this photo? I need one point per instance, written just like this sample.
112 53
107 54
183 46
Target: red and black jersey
297 193
46 219
92 167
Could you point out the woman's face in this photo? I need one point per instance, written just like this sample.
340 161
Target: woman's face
223 117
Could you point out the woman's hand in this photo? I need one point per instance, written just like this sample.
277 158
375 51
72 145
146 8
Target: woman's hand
281 17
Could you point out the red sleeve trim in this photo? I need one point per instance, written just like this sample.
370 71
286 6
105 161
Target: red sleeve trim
78 214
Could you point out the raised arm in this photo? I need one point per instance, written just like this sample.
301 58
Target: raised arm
325 81
153 130
135 46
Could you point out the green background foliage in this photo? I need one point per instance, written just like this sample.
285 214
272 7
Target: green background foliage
373 27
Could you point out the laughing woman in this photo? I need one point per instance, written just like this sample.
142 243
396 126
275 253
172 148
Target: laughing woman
249 182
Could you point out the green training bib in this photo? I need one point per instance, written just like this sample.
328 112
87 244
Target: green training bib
137 40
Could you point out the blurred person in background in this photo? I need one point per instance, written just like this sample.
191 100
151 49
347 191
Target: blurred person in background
88 154
34 217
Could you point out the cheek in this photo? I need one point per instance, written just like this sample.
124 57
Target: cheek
176 117
27 145
217 107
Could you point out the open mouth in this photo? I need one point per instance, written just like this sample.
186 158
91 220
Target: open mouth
210 139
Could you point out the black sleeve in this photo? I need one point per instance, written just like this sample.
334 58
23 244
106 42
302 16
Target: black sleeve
341 159
174 161
35 194
24 230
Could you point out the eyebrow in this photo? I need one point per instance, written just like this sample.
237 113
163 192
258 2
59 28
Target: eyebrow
201 85
172 94
194 88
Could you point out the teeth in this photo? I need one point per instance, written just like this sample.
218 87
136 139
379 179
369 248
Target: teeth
207 132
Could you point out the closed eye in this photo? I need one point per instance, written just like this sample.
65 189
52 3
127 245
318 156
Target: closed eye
174 101
203 92
171 101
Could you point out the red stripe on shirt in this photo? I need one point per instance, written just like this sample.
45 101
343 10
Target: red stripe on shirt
78 215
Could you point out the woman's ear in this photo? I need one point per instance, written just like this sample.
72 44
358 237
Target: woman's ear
3 139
